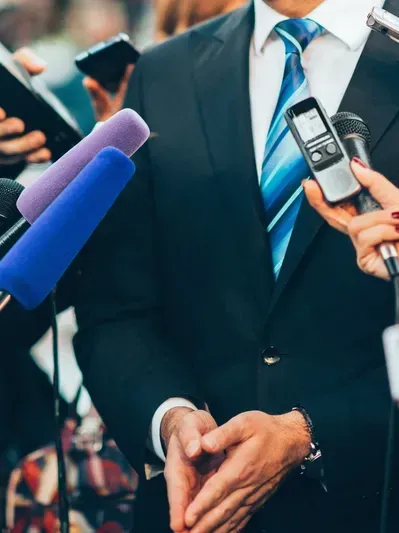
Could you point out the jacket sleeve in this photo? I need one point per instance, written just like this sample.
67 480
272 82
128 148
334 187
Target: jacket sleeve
129 364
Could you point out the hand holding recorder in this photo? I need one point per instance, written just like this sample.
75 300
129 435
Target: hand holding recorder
366 231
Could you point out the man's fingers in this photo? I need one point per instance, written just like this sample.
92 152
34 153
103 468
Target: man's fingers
234 431
23 145
3 114
379 187
337 217
11 126
30 61
219 487
39 156
177 487
192 427
227 514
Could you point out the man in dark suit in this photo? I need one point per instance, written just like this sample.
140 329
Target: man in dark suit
189 297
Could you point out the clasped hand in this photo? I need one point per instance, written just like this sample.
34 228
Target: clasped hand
247 459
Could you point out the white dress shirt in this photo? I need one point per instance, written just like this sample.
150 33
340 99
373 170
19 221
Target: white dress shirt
329 63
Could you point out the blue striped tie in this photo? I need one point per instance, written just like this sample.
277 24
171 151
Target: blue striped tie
283 167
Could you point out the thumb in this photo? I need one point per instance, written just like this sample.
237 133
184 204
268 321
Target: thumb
378 186
30 61
190 437
223 437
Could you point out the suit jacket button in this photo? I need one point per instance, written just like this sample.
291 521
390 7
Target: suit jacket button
271 356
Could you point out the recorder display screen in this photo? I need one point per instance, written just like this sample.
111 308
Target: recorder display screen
309 125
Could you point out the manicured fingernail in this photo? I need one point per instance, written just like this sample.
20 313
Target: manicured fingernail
358 161
192 448
395 214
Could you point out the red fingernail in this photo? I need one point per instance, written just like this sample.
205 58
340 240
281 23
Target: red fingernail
395 214
359 162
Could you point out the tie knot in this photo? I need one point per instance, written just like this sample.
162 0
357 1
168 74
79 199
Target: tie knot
298 33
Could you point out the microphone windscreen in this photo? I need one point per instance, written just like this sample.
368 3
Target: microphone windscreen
34 265
126 131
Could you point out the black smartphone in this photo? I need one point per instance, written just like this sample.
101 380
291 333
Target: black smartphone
107 61
29 99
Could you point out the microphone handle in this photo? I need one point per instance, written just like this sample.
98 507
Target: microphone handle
5 299
11 236
7 241
365 203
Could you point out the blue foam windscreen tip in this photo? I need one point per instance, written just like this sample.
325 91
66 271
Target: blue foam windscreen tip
32 268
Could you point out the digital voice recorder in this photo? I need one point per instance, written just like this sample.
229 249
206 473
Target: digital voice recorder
323 151
384 22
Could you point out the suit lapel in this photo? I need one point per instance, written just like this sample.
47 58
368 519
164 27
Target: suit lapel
373 95
221 79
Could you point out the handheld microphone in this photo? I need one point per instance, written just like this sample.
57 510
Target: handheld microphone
126 131
32 268
10 191
356 138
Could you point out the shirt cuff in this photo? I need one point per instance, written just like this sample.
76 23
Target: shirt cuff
155 429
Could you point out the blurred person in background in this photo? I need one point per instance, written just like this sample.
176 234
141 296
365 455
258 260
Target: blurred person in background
176 16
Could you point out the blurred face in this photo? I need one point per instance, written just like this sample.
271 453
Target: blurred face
90 22
27 22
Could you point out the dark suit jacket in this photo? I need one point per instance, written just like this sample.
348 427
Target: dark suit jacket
177 295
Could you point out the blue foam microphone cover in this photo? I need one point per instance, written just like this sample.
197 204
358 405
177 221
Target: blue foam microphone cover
32 268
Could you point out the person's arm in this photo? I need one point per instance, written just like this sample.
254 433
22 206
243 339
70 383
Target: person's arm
129 365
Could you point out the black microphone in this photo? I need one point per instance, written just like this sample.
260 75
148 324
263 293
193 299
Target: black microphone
12 227
10 191
356 138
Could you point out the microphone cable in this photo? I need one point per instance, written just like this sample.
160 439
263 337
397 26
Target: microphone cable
63 502
390 453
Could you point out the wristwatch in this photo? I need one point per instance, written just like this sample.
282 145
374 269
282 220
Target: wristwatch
312 465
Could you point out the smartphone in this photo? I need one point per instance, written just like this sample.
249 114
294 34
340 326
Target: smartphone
29 99
107 61
322 149
384 22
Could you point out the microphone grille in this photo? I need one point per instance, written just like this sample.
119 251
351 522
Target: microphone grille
10 191
347 123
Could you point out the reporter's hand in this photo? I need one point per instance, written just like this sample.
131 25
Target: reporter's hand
261 451
366 231
187 466
14 145
105 105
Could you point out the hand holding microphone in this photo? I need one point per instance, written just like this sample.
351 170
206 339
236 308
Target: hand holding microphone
367 231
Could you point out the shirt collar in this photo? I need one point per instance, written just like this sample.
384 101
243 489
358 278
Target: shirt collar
350 27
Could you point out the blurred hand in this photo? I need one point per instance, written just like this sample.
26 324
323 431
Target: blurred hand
367 231
261 451
187 466
15 146
105 105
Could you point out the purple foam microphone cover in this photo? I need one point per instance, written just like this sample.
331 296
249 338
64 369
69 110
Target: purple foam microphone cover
126 131
35 264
